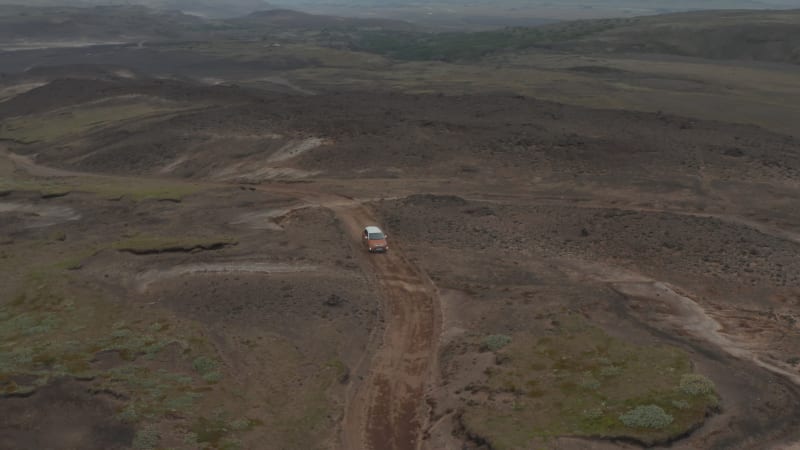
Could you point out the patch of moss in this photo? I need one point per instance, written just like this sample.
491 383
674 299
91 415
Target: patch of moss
696 384
137 190
56 125
579 381
146 439
217 431
646 416
41 342
303 424
495 342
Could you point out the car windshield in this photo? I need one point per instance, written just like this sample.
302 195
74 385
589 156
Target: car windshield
376 236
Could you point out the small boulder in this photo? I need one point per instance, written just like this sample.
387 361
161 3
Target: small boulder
334 300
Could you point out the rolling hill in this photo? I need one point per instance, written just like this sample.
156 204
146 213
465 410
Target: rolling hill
205 8
749 35
21 23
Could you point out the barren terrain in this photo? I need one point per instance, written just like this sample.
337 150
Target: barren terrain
182 266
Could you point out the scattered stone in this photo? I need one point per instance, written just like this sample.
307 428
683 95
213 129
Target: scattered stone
481 211
421 199
734 152
501 358
51 195
344 378
334 300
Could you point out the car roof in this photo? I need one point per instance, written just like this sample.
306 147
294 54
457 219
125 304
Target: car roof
373 230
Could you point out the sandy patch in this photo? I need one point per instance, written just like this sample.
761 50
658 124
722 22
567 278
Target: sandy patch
680 311
145 279
40 216
265 220
296 148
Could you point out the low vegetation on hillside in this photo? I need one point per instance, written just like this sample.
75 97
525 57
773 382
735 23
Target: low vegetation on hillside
461 46
578 381
767 36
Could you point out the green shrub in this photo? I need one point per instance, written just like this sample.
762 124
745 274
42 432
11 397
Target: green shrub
212 377
495 342
593 413
128 414
240 424
204 365
589 383
182 402
231 444
610 371
121 333
603 361
190 438
146 439
680 404
696 384
648 416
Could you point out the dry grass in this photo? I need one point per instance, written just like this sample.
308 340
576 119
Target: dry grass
107 188
77 120
763 96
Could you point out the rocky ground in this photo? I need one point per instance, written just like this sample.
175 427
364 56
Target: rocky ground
182 269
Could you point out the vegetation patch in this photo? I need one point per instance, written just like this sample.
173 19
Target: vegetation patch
308 417
107 188
455 46
647 416
495 342
216 431
49 329
576 380
58 124
207 368
146 439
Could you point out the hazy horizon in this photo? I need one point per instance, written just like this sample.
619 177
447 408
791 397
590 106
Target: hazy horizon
561 10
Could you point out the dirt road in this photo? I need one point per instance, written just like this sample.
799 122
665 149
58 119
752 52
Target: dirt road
387 410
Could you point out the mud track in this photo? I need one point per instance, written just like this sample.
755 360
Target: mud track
387 409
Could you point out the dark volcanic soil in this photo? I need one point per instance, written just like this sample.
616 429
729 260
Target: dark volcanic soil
64 414
477 137
504 214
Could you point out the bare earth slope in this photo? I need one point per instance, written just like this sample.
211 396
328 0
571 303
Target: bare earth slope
558 276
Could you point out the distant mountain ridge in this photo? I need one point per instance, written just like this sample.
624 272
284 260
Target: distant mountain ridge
100 23
106 24
205 8
291 19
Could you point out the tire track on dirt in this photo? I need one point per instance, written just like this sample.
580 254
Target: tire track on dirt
388 410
